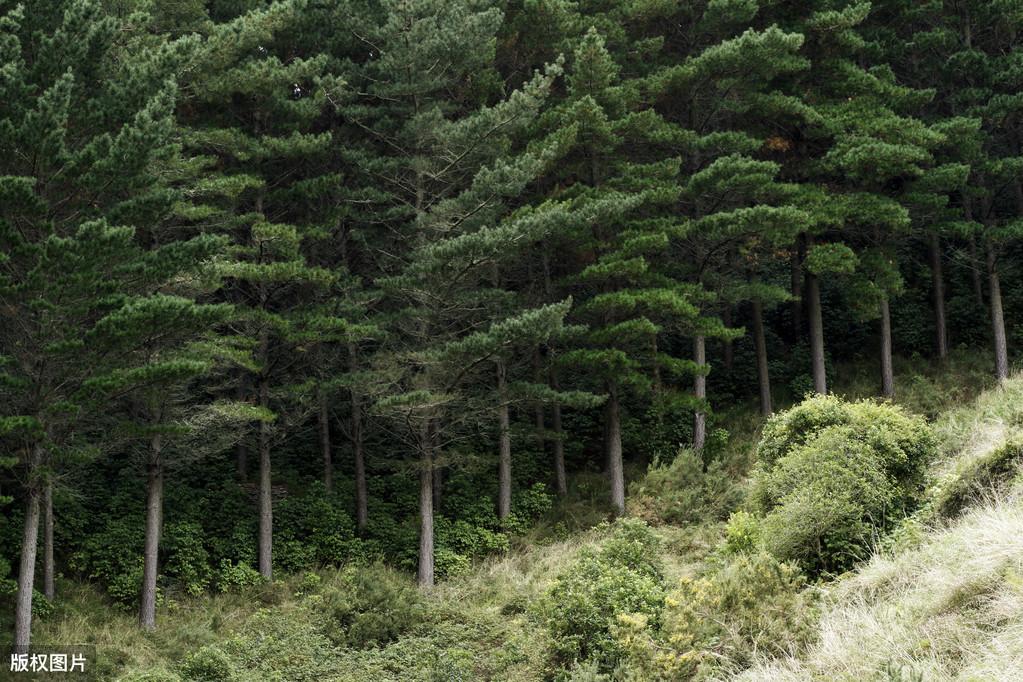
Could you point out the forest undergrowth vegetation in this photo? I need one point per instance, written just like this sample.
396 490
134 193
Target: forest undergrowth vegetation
686 586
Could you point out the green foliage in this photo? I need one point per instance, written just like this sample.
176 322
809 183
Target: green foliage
832 477
683 491
187 558
208 664
582 606
372 607
752 605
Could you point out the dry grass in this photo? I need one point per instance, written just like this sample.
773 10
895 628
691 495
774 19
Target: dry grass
948 608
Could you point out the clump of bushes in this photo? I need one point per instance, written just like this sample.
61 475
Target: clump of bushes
750 604
582 606
374 606
682 492
831 477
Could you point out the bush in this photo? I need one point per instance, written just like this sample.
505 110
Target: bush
374 606
208 664
114 558
681 492
232 577
187 559
750 605
582 607
833 476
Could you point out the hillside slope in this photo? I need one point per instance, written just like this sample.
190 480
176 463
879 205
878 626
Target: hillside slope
945 601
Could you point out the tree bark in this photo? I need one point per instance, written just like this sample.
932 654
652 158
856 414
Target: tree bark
763 372
154 524
27 566
938 288
424 574
700 391
978 287
813 296
49 589
887 373
265 490
797 290
997 317
616 469
241 449
328 462
504 464
729 351
361 494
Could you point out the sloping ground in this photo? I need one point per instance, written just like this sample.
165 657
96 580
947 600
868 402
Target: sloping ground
947 602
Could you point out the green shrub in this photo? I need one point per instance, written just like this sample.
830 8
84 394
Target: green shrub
113 556
187 559
582 606
375 605
976 476
681 492
232 577
749 606
832 477
208 664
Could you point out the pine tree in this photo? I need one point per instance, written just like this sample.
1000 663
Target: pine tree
88 149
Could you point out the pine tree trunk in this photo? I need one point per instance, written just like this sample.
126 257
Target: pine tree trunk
504 464
938 288
561 480
978 287
361 493
241 449
813 300
538 409
265 491
887 373
154 523
328 462
27 566
49 589
425 571
763 373
616 470
438 488
997 317
700 392
729 351
797 290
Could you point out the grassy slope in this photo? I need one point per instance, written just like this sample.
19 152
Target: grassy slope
946 603
476 627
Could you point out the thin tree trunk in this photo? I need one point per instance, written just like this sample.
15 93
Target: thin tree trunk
504 463
763 373
938 289
538 408
561 480
978 287
729 352
997 317
265 490
813 296
241 449
27 566
616 468
887 373
49 590
700 391
154 523
361 494
797 290
425 571
328 462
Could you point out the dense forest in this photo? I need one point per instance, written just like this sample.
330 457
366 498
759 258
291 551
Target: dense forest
332 283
